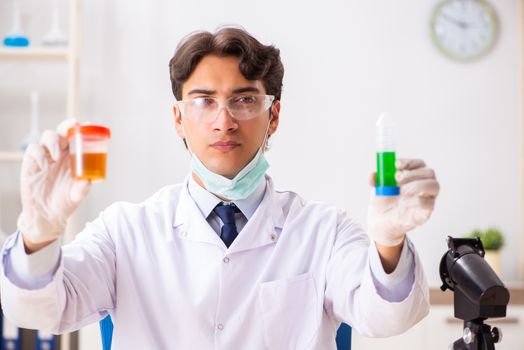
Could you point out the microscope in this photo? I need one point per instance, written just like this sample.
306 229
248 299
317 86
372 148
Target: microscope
478 293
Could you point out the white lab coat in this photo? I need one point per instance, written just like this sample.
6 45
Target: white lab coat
294 272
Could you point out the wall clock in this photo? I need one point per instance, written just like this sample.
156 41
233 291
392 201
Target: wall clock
464 30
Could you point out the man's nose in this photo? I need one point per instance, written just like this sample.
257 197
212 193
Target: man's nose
225 121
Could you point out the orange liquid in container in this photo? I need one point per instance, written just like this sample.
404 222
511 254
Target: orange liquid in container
88 166
88 146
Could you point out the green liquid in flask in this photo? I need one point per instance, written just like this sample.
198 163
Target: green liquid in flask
386 169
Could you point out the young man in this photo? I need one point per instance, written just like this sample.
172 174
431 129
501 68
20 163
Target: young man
223 260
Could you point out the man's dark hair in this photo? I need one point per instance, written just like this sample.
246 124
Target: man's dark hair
257 61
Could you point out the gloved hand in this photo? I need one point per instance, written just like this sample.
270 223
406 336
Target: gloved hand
391 217
49 193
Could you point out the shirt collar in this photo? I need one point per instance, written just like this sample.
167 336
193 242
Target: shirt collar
207 201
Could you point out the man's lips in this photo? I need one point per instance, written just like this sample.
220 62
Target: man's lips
225 145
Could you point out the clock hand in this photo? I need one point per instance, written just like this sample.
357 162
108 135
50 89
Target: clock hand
461 24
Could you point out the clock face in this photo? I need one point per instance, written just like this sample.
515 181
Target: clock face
464 29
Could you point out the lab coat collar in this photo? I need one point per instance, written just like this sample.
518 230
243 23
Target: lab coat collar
204 200
263 228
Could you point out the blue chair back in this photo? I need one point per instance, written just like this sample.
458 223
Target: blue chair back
106 330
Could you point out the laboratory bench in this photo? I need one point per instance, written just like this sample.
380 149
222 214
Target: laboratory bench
516 295
440 327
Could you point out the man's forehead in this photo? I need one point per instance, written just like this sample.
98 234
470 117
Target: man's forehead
220 75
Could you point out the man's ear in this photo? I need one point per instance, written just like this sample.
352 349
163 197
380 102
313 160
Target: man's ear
275 118
178 122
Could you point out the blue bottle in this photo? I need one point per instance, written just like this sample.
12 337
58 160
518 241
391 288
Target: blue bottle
16 38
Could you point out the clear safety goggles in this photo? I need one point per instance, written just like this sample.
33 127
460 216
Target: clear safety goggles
241 107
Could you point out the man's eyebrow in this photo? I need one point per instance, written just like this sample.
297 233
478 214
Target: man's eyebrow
201 91
246 89
213 92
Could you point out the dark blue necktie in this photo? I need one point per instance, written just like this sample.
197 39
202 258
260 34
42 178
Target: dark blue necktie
226 213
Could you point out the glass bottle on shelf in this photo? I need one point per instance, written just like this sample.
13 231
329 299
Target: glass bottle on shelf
16 38
34 133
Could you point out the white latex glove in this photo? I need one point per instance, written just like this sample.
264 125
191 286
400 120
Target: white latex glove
49 194
391 217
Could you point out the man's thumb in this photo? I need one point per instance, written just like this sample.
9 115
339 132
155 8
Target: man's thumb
79 190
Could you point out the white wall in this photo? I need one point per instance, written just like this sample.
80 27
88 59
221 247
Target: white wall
345 62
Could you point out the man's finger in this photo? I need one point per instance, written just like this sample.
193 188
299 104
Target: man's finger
79 190
65 125
50 140
62 129
409 164
420 202
406 176
372 179
424 188
35 159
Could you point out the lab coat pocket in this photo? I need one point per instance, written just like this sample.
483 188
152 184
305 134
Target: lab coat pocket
289 312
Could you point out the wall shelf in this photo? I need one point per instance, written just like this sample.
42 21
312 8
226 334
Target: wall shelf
11 156
34 53
521 58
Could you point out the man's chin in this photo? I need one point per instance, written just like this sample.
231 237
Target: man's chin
223 171
226 173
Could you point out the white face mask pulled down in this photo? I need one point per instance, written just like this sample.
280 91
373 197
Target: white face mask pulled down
239 187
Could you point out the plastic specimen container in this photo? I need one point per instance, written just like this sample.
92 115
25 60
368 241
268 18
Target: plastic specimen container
88 146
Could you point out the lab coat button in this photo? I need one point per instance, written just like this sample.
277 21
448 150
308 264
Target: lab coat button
220 326
226 259
273 237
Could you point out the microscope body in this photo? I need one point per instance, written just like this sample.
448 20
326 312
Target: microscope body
478 292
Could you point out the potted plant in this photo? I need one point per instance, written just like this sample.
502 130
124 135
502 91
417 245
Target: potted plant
492 240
